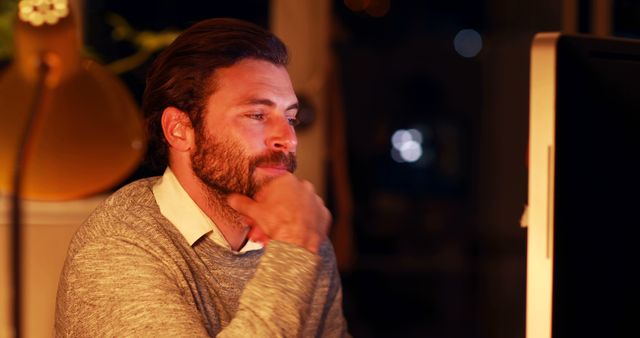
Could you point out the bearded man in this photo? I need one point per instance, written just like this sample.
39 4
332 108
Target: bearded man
228 242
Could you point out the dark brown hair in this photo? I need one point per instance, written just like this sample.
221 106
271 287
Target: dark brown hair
182 75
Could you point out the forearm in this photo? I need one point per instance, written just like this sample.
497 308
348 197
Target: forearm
275 303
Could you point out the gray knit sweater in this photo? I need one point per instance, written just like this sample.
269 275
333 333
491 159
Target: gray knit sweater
129 272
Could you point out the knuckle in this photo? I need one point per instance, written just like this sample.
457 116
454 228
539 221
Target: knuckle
308 185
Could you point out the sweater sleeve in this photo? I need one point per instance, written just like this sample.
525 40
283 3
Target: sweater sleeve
114 288
276 301
333 323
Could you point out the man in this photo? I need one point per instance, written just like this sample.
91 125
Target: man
227 242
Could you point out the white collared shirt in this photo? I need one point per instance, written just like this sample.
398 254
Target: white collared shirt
178 207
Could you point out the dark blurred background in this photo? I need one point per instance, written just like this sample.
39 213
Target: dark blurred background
437 247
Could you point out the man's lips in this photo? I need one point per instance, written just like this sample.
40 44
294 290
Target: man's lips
273 169
275 162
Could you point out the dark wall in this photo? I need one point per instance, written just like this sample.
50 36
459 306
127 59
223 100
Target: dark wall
441 252
501 181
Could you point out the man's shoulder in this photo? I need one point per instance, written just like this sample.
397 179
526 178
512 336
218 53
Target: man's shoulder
129 210
138 192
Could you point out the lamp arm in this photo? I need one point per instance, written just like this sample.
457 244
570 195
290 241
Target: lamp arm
16 200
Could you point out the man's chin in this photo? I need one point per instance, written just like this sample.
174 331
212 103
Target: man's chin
263 176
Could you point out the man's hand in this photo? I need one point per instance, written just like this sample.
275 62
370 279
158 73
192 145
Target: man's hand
286 209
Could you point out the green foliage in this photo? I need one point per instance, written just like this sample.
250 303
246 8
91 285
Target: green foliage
8 9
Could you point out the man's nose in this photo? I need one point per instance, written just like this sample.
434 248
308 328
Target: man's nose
282 136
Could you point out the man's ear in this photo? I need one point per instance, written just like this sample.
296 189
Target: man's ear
177 129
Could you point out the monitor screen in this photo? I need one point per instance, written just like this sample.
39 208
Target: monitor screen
583 187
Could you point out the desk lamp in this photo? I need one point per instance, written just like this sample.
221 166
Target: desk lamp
68 127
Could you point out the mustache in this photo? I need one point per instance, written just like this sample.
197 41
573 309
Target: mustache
275 158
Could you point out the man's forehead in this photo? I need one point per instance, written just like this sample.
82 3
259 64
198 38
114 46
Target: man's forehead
252 80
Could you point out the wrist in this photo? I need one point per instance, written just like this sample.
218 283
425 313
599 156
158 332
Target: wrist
310 241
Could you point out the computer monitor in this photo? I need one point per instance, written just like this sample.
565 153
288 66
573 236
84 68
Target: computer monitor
584 205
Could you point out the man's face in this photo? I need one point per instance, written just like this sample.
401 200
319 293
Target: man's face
247 135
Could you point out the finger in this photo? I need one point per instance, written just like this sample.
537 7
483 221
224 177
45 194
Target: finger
328 218
257 235
246 220
242 204
309 186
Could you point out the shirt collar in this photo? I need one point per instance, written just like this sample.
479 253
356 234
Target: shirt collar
177 206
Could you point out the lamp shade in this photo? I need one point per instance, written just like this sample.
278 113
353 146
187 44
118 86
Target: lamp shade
88 134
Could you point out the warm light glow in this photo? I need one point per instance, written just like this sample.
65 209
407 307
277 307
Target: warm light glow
88 136
38 12
468 43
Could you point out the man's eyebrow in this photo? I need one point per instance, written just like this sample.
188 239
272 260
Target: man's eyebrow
269 103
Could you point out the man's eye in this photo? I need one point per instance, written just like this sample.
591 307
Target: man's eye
256 116
294 121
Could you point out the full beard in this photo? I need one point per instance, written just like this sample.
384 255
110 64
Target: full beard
224 168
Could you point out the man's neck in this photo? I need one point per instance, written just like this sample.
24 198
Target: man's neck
214 205
226 219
